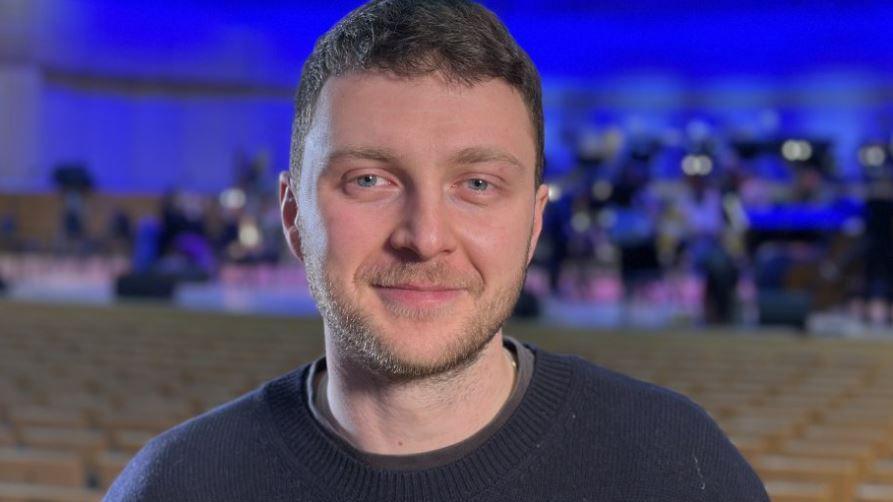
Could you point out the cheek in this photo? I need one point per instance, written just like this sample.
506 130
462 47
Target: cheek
353 236
497 244
312 232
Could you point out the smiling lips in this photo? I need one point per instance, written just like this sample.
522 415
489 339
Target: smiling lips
418 295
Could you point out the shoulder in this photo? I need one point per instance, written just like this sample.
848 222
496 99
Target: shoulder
658 433
617 393
193 455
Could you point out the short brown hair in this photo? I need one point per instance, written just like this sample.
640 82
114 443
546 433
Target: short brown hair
460 39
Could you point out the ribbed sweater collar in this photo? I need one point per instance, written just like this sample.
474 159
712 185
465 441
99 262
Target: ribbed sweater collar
336 468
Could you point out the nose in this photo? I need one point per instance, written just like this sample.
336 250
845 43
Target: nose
425 228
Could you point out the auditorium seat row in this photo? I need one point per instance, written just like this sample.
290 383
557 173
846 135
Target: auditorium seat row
83 388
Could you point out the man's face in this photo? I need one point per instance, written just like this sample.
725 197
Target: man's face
416 218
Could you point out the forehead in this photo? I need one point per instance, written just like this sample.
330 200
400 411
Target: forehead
422 117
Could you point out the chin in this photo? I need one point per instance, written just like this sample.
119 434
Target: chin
423 341
416 349
403 339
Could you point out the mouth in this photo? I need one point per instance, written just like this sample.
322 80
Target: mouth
418 296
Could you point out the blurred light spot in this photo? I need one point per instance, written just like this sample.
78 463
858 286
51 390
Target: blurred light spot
872 156
602 190
554 192
581 221
613 140
249 235
232 198
796 150
697 165
590 144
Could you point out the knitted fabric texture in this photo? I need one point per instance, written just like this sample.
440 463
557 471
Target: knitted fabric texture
581 433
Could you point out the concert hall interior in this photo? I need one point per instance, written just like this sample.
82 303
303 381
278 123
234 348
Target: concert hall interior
719 221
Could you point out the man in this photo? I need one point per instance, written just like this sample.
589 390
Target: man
415 200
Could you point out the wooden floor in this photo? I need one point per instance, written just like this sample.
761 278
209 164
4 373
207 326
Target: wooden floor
82 388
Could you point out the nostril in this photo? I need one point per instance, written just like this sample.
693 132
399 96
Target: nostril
422 238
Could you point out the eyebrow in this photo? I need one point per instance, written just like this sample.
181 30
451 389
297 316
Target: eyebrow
363 153
469 155
483 154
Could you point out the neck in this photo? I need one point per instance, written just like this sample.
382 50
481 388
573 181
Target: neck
389 417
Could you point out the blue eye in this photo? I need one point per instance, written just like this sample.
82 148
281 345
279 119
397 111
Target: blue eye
367 180
478 184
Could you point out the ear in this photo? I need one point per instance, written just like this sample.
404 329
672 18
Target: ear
288 210
539 205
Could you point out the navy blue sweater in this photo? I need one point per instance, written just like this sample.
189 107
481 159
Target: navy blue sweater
581 433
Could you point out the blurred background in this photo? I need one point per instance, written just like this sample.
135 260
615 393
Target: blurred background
721 220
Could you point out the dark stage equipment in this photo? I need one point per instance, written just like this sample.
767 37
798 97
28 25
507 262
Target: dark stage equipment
72 177
146 285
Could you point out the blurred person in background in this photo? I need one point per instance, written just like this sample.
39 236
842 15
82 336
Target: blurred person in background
9 233
555 236
633 230
184 247
701 203
119 232
878 245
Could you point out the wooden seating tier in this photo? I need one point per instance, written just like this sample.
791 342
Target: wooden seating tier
83 388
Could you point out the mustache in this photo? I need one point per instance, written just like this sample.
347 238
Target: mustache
438 273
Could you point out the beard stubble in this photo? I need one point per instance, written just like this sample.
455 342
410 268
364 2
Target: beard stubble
363 340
